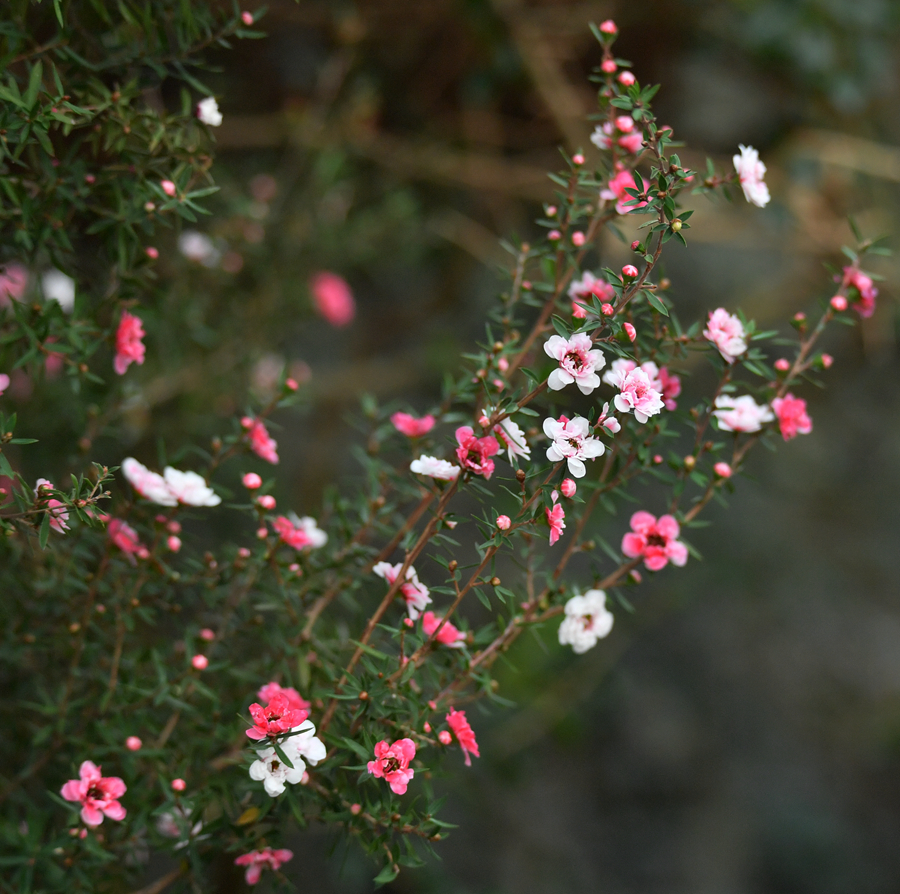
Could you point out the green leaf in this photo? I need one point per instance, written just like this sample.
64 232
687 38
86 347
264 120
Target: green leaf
44 534
388 874
656 303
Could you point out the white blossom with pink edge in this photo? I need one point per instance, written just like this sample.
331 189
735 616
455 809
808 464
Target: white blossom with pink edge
413 591
572 442
190 488
150 485
587 620
639 396
434 468
509 434
578 361
741 414
751 172
727 333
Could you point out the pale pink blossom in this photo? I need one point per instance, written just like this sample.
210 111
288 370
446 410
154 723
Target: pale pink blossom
13 282
97 794
632 142
556 518
278 717
126 539
392 763
266 501
150 485
256 861
207 635
412 427
332 298
637 394
751 172
587 619
247 17
568 487
615 190
4 382
509 435
741 414
572 442
264 446
474 453
59 515
413 591
670 386
792 417
208 111
626 78
190 488
444 737
578 239
300 533
464 733
727 333
581 290
578 362
854 278
294 699
129 347
608 26
173 543
655 541
448 634
434 468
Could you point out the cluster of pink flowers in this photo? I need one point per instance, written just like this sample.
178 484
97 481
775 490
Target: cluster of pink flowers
392 763
792 417
264 446
615 190
578 362
413 591
412 427
622 132
300 533
448 635
582 290
727 333
295 701
854 278
97 794
572 442
126 539
655 541
474 453
464 733
750 172
256 861
129 347
332 298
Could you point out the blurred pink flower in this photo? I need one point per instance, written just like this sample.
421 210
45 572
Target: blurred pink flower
294 699
58 516
726 332
792 417
332 298
464 733
556 518
256 861
751 172
261 443
412 427
13 282
448 636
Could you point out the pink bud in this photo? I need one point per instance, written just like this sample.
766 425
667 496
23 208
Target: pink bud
839 303
294 568
251 481
445 737
503 522
149 206
200 662
408 622
609 66
625 123
568 487
304 779
554 235
657 460
151 252
173 527
207 634
782 364
291 384
173 542
143 553
629 331
432 705
635 575
82 833
133 743
609 27
503 364
526 284
244 553
578 238
578 159
168 187
427 727
607 310
90 179
827 360
799 317
629 271
247 19
636 245
178 785
723 470
262 533
266 501
246 422
626 79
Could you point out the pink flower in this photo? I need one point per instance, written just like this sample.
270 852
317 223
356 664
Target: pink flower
615 190
256 861
655 541
261 444
638 394
392 763
300 533
474 453
856 279
568 487
582 290
149 485
98 794
556 519
572 442
509 435
578 362
413 591
13 282
448 635
294 699
626 78
609 27
726 332
434 468
670 386
129 347
723 470
126 538
839 303
412 427
59 515
133 743
168 187
503 522
200 662
464 733
251 481
741 413
751 172
792 417
247 19
4 382
332 298
632 142
277 718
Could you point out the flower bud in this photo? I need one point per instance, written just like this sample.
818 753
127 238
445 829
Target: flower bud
676 225
629 271
839 303
782 364
207 635
133 743
607 310
625 123
554 235
826 360
690 462
503 522
578 238
568 487
173 543
251 481
551 211
578 159
609 66
495 581
630 331
151 252
291 384
609 27
445 737
168 187
247 19
723 470
178 785
626 78
266 501
200 662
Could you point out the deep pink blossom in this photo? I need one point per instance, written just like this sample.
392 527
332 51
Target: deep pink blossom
448 636
854 278
582 289
568 487
256 861
126 538
671 387
615 190
300 533
294 699
792 417
332 298
261 443
277 718
412 427
392 763
556 518
98 794
655 541
474 453
464 733
129 347
59 515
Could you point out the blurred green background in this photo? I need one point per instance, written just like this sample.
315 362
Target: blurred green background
741 732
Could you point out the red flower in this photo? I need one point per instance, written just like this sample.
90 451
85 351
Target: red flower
473 453
276 718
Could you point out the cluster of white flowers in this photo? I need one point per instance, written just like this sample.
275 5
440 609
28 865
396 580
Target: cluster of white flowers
170 488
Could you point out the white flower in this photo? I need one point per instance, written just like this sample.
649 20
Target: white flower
273 772
751 172
741 413
304 740
208 111
434 468
149 485
510 435
59 287
587 620
416 594
196 246
578 360
727 333
572 442
190 488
